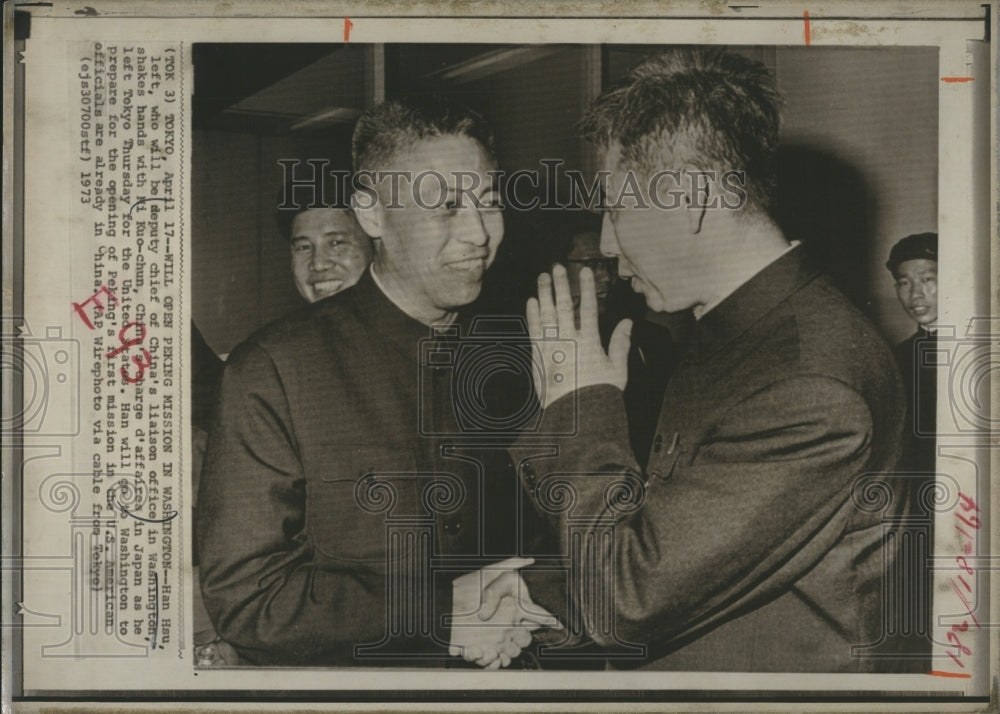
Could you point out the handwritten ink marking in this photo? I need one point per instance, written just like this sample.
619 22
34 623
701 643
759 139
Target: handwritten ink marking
348 25
98 305
144 200
807 31
973 523
142 361
125 511
938 673
957 79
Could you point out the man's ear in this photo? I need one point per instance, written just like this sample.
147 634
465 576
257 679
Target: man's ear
701 194
369 211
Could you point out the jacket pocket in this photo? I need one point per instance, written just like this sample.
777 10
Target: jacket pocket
368 508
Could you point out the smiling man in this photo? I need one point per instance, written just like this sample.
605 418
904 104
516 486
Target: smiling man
329 250
333 529
435 240
743 544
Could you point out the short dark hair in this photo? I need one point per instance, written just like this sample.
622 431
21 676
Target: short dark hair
387 128
708 107
332 191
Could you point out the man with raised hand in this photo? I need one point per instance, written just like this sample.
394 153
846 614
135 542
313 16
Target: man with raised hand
750 542
334 529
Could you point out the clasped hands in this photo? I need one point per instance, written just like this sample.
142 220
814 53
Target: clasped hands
493 614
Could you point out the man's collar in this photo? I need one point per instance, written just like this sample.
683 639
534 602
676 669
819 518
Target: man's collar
403 308
751 301
749 270
375 309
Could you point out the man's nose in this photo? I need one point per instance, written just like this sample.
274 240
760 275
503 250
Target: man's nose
625 269
611 249
323 258
917 291
609 239
472 227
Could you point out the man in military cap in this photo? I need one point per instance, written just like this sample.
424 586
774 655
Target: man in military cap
913 264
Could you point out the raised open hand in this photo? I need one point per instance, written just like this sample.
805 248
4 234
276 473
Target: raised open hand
570 357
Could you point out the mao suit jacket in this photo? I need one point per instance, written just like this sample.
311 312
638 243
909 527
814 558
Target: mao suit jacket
920 384
339 499
754 539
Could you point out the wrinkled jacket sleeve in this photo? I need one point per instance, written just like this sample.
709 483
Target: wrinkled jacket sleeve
262 587
713 529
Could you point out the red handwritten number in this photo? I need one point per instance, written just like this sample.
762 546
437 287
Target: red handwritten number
964 565
347 29
98 305
967 503
971 520
952 637
142 361
145 361
128 343
973 523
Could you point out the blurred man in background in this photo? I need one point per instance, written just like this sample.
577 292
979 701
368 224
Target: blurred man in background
913 264
330 251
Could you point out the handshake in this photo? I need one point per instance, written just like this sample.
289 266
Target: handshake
493 615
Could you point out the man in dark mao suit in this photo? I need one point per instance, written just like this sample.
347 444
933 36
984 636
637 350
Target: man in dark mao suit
753 540
334 528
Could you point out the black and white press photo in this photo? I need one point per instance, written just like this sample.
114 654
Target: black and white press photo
474 355
670 473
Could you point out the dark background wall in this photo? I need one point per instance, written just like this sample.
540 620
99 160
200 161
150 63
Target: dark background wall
858 167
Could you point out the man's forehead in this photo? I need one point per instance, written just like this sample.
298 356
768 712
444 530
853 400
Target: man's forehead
609 156
918 265
620 172
447 153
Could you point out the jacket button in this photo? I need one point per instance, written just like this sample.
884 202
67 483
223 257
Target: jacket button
453 527
658 443
529 473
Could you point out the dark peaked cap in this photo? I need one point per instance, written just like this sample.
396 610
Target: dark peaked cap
915 247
